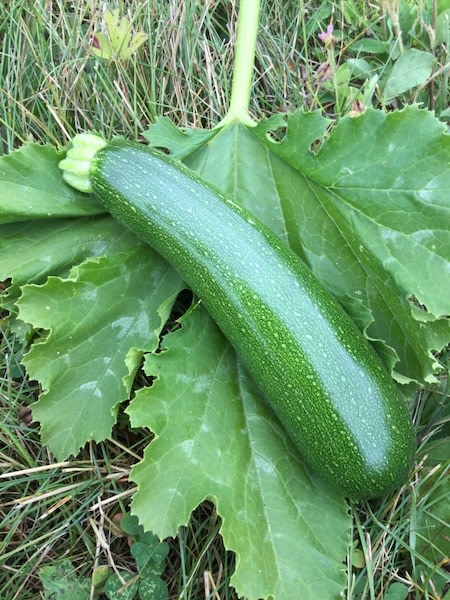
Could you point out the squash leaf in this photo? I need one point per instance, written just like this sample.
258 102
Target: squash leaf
366 213
99 320
29 254
216 439
32 187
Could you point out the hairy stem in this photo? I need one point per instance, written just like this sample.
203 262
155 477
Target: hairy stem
247 29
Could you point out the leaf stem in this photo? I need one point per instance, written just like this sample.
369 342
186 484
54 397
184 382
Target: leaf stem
247 30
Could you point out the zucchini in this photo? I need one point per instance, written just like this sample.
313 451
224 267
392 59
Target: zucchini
322 378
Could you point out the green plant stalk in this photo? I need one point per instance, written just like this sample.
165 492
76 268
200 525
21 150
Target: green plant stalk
247 30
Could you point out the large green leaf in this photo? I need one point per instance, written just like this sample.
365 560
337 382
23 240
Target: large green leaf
32 188
366 206
30 253
99 320
216 439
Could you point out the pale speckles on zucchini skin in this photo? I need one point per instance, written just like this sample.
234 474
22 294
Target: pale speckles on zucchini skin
317 371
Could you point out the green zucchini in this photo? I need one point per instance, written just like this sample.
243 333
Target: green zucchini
323 380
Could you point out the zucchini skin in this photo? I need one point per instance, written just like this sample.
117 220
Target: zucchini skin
321 377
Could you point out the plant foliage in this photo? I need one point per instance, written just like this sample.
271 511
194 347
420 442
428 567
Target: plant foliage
363 202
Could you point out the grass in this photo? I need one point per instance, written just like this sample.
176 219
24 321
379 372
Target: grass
50 87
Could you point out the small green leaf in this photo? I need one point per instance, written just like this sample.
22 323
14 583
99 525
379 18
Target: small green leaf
150 559
142 554
149 538
136 42
396 591
359 68
370 46
153 589
101 46
358 558
411 69
61 582
129 524
115 589
100 575
119 41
